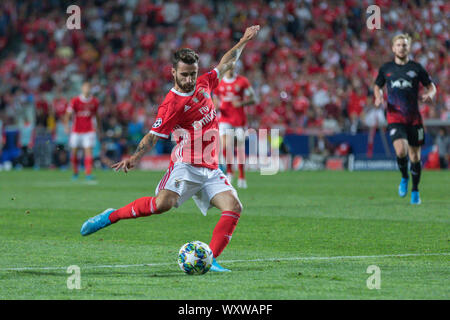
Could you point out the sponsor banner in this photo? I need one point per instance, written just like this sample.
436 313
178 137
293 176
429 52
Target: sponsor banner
335 164
373 165
300 163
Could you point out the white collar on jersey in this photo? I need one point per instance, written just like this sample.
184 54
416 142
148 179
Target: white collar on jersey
183 94
85 99
229 80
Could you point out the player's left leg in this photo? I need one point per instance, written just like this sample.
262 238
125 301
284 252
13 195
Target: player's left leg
401 151
74 143
416 170
89 140
88 163
231 209
416 139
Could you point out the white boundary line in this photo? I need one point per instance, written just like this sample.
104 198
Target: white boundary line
400 255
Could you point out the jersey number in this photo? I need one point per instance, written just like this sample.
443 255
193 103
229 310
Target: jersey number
420 134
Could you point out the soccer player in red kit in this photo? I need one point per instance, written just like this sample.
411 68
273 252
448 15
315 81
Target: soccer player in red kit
188 113
402 77
83 109
234 92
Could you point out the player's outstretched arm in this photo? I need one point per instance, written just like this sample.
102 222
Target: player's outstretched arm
230 58
146 144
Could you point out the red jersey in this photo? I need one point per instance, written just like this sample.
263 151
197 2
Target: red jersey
84 110
192 118
228 91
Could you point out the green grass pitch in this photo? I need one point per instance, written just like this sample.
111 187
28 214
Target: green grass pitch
302 235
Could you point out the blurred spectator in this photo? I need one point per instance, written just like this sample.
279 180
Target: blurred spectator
443 145
312 65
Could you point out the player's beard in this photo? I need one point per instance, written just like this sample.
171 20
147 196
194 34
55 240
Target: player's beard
187 87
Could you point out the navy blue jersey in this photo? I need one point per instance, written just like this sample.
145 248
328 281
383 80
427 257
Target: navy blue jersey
402 83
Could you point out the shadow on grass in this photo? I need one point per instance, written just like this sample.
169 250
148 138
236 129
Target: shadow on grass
104 273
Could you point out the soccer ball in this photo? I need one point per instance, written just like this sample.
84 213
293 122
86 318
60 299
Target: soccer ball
195 257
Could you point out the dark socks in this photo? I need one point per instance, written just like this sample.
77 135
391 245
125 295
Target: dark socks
416 169
403 166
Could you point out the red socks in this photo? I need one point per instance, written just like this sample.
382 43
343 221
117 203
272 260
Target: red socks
74 162
241 171
141 207
223 231
88 162
88 165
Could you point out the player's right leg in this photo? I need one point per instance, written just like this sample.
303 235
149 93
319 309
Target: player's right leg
401 150
399 137
74 162
141 207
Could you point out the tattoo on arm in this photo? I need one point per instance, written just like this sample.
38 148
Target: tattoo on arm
145 145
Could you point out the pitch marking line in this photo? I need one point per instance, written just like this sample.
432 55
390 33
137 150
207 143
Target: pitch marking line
400 255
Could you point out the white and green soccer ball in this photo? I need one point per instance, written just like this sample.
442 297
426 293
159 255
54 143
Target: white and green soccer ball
195 257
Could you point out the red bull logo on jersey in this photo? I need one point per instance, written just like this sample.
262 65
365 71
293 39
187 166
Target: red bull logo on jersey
401 83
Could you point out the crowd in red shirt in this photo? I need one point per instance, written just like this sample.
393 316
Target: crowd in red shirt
312 65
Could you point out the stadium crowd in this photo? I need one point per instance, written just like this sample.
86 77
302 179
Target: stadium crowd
312 66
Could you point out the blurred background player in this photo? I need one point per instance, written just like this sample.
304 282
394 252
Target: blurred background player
405 126
232 94
84 109
188 113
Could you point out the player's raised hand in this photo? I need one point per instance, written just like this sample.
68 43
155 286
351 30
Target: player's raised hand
250 33
124 165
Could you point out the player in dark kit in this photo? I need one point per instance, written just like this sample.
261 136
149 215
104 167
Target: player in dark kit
405 126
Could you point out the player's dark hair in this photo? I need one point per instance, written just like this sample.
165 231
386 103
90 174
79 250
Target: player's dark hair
185 55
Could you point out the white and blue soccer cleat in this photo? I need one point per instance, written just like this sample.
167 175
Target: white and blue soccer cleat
96 223
415 197
90 177
215 267
403 187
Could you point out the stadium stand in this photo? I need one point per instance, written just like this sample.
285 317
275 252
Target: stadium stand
312 66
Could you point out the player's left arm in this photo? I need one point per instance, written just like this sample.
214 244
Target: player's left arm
145 145
425 79
430 94
231 56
